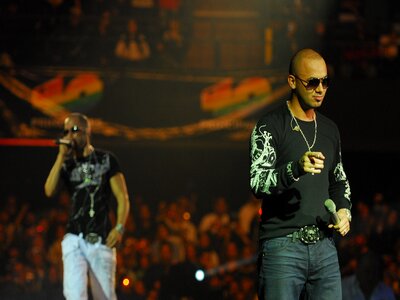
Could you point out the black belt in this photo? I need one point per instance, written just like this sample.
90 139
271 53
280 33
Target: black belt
309 234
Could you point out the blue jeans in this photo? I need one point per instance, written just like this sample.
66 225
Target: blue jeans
287 268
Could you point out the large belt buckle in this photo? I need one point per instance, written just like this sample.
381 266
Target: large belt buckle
309 234
92 238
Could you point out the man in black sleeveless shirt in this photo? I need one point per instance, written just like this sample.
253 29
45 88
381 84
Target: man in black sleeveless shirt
295 167
91 176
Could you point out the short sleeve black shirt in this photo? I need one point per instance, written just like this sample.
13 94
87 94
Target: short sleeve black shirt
88 182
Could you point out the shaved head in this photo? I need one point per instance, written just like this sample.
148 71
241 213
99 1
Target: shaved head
77 129
79 119
307 65
301 56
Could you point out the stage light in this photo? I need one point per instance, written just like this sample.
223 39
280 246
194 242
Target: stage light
126 282
228 267
199 275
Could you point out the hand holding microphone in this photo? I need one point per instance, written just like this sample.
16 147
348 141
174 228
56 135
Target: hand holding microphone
340 224
65 142
66 146
331 208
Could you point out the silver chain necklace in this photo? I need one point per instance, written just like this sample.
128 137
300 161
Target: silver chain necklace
88 177
298 128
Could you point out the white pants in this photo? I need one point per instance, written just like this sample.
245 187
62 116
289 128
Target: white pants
81 258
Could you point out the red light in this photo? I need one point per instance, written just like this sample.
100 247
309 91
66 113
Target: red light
260 211
40 228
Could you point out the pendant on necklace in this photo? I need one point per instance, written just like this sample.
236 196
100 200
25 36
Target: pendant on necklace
91 211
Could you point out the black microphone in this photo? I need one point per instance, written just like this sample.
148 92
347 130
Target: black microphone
65 142
331 207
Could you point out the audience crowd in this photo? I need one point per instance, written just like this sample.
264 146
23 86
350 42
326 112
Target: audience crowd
92 33
359 38
167 242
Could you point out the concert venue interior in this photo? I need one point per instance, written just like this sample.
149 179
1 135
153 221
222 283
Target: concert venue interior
174 88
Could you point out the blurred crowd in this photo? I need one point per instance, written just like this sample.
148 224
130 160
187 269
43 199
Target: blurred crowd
163 248
375 229
91 33
359 38
167 242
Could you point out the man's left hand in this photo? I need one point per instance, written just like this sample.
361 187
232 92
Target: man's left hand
114 238
343 227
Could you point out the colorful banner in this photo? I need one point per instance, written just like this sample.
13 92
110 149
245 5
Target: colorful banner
137 107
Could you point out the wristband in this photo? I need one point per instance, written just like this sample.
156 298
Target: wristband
120 228
290 172
348 214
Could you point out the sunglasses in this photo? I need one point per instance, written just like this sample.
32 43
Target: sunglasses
313 83
73 129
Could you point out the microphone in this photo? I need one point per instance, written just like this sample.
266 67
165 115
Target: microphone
65 142
331 208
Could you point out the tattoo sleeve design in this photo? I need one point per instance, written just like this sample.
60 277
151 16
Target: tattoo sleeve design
263 176
340 175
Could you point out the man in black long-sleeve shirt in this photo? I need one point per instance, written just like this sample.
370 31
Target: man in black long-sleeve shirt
295 166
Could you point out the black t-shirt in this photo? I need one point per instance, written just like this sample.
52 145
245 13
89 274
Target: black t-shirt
275 149
88 182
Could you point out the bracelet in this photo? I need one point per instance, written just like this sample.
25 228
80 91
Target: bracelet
120 228
348 214
290 172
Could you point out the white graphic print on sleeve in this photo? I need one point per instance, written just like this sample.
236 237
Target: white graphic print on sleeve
340 175
263 158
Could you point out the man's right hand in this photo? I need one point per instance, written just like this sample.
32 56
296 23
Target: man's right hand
64 150
312 162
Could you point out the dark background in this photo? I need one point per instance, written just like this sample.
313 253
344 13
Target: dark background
221 39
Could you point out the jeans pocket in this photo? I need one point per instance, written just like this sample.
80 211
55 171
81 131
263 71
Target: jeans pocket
69 244
331 242
275 245
109 254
